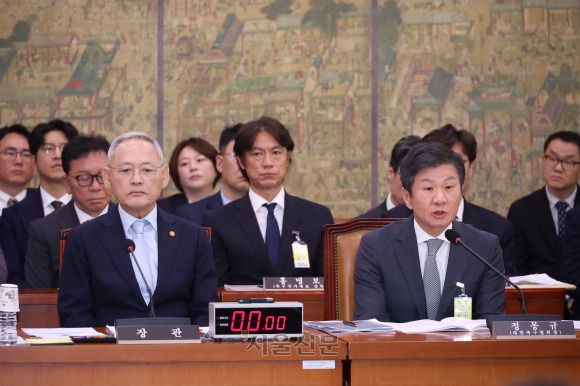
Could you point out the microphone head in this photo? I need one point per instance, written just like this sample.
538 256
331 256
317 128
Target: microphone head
129 245
453 236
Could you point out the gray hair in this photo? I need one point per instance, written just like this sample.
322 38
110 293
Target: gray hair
134 135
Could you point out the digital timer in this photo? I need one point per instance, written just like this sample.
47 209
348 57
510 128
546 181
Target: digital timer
255 320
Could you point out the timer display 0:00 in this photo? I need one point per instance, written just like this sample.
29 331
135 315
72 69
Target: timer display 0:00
271 323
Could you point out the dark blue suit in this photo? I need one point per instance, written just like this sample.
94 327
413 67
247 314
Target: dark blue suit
481 218
239 249
98 283
195 211
570 264
14 227
388 284
171 203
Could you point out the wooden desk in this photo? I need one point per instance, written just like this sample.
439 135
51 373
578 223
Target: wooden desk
450 359
208 363
313 300
545 300
38 307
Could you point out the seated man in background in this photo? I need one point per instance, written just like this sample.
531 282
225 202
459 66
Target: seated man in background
252 237
3 269
83 160
16 167
101 282
234 184
539 218
464 143
570 263
394 198
408 270
46 141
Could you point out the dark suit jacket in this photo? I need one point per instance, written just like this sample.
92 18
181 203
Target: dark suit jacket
379 211
98 283
14 225
536 242
3 269
195 211
570 264
388 284
239 249
171 203
484 220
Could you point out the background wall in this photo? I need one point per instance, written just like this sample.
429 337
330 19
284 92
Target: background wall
348 78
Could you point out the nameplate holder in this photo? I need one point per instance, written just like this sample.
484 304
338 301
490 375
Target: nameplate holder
541 329
147 334
293 283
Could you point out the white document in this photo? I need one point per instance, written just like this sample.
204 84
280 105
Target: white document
539 279
447 324
338 326
232 287
59 332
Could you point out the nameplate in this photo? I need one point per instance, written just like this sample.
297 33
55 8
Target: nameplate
544 329
158 334
293 283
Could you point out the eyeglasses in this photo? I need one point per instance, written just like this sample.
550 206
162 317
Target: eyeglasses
10 154
49 148
553 161
231 155
126 172
86 179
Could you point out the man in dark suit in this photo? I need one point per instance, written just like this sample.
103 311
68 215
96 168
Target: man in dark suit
465 144
538 217
394 197
234 184
408 270
253 237
83 160
46 142
570 264
3 269
16 166
100 282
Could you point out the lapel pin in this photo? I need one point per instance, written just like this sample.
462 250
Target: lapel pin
171 233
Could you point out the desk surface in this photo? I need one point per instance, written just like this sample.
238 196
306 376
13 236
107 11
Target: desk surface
458 358
215 363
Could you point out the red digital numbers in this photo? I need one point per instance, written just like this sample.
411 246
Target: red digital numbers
253 322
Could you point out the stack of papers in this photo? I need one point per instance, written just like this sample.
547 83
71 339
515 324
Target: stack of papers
540 279
338 326
49 333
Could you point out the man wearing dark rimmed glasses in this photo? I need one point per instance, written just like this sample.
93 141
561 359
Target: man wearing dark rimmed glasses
83 160
46 141
16 167
539 218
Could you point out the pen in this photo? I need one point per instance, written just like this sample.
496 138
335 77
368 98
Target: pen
351 323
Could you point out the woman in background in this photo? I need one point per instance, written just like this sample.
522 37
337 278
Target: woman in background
192 168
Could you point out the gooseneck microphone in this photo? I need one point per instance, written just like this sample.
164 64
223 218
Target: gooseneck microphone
455 238
130 248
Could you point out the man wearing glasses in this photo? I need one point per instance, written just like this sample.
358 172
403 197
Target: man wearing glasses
539 218
46 142
16 166
83 159
234 184
100 282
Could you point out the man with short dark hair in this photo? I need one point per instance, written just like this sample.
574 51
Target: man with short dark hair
46 141
464 143
252 237
539 218
394 198
16 167
408 270
100 282
83 160
234 184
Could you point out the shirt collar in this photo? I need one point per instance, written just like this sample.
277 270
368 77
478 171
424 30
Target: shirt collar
553 200
84 217
423 236
127 220
258 201
389 202
460 209
47 199
4 197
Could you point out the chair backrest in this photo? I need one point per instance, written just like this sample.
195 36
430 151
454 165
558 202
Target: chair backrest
341 242
63 236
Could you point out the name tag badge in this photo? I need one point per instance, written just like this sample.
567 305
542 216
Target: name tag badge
300 252
462 304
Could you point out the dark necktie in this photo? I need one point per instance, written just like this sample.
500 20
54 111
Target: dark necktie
56 204
272 236
431 280
561 206
12 201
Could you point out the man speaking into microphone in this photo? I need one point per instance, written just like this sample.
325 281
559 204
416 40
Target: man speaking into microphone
408 270
171 274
